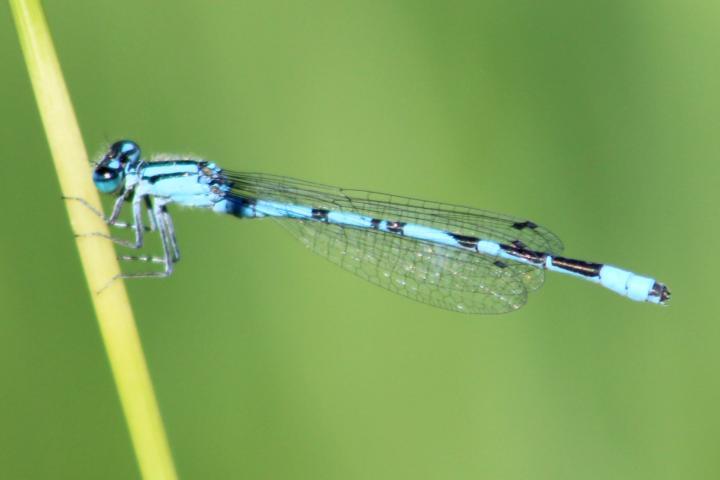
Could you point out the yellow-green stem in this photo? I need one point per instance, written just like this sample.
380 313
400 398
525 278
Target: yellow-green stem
112 307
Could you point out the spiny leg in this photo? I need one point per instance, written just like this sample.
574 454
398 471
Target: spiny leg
137 226
113 221
167 219
150 214
137 207
166 260
142 258
166 234
97 212
171 231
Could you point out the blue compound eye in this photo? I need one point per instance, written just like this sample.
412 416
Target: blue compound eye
125 151
109 173
108 179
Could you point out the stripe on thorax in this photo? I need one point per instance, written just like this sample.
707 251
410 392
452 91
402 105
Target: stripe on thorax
155 171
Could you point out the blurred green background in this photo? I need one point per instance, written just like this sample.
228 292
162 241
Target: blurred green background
599 120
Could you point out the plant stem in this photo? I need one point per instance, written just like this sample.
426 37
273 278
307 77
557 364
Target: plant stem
99 262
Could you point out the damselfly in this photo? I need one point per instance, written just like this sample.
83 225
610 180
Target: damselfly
452 257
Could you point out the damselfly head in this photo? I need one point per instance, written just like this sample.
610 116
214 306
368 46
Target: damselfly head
109 173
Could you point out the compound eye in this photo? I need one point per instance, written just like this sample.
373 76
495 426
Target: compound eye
107 180
125 150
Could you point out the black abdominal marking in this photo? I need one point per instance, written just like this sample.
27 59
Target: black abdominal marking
320 214
466 241
396 227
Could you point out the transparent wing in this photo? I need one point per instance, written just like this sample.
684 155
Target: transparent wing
453 218
443 276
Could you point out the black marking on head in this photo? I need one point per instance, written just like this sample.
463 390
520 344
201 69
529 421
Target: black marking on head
124 151
525 224
396 227
586 269
375 223
531 256
519 244
500 264
466 241
320 214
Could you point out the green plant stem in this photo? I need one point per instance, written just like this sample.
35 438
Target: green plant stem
112 307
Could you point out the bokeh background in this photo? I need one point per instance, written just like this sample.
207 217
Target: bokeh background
597 119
